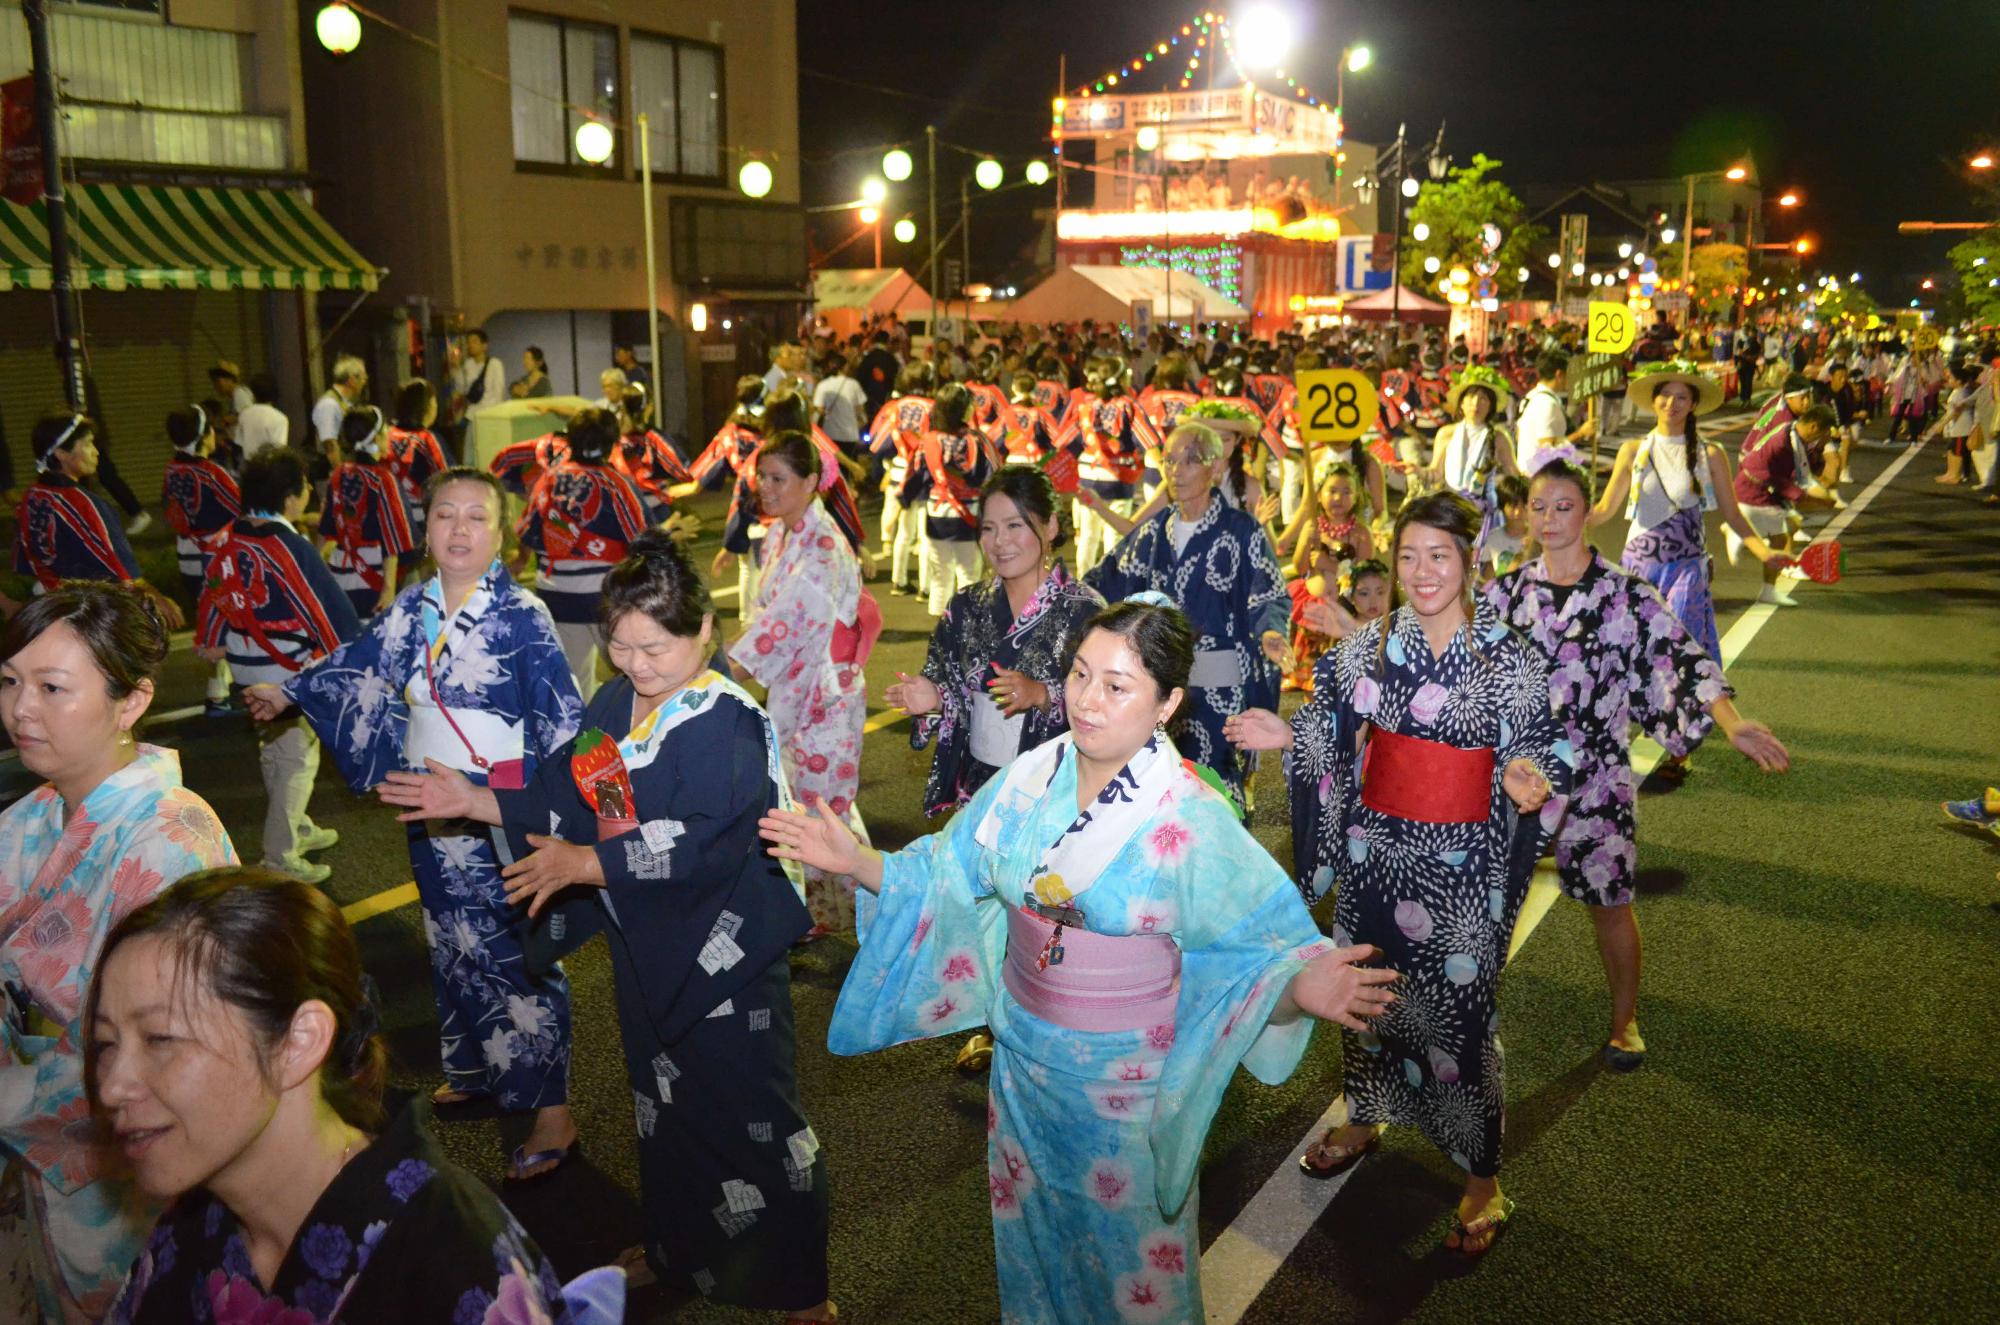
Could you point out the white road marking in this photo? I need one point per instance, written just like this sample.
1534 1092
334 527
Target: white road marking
1244 1256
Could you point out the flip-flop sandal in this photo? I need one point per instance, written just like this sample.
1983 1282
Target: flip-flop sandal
832 1313
976 1055
1344 1157
445 1097
520 1162
1489 1223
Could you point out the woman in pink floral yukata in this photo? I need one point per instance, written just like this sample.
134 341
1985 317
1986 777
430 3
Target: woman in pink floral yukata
803 643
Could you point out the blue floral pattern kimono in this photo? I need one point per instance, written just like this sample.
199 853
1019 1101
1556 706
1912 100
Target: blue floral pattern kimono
1093 1138
401 1234
1439 899
1226 580
1618 655
68 1216
507 695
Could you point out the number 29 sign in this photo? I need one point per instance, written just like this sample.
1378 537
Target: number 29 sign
1335 404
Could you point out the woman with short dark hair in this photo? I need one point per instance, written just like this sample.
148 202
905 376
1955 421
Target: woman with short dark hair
236 1056
1099 907
644 828
111 826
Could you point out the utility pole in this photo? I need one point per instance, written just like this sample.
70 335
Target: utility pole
965 243
652 278
1062 95
930 173
1396 246
69 350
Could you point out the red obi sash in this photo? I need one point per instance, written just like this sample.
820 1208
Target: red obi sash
1426 781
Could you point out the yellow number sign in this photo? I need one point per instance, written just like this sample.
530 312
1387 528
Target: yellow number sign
1335 404
1612 328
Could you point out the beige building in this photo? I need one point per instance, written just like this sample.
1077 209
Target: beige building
446 151
185 143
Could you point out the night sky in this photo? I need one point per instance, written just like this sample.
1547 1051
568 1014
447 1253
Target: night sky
1867 108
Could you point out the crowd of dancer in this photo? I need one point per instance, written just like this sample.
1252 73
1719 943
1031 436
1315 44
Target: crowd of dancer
564 726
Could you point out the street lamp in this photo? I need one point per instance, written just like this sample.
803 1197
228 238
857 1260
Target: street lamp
1359 58
594 141
754 179
338 28
1736 174
1983 161
869 216
1788 199
873 191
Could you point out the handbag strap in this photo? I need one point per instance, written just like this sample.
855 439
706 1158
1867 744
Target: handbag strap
479 761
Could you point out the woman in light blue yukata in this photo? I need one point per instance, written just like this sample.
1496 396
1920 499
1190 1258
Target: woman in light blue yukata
1099 907
464 670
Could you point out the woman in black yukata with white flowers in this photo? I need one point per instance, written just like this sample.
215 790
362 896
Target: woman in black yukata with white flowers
992 687
645 828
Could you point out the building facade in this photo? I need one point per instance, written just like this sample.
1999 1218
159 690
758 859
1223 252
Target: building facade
184 139
447 147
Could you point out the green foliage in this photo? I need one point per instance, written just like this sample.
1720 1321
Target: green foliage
1977 262
1455 208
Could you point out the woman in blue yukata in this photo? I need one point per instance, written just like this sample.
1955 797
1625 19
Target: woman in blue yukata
463 671
1217 563
1098 906
235 1056
1432 836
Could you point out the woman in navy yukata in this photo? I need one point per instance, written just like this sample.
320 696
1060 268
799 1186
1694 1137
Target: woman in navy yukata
1432 837
236 1056
63 530
463 671
202 501
644 828
1217 563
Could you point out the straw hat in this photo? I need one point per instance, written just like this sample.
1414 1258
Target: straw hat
1649 377
1479 374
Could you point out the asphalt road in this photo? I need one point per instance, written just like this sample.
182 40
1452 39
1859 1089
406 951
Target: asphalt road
1814 1136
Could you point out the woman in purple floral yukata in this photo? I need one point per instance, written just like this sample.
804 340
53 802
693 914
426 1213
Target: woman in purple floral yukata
1617 655
234 1055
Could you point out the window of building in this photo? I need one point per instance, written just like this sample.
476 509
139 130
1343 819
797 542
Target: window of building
678 85
563 72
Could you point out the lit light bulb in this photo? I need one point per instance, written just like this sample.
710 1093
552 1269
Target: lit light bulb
754 179
896 164
338 28
595 141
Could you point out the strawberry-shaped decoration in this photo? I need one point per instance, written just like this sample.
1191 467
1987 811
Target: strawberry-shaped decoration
600 776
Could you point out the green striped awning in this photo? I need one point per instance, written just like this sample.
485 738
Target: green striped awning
148 237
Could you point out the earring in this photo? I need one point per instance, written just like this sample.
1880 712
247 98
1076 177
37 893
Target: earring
1159 732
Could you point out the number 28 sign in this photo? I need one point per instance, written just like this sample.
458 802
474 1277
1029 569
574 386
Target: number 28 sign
1335 404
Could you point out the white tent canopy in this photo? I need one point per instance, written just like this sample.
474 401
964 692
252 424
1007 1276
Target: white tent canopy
871 289
1106 294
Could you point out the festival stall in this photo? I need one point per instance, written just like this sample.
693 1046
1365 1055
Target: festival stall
1412 307
847 299
1106 295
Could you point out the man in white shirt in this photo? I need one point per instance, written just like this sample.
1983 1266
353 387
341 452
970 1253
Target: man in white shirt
261 425
841 403
227 380
1544 421
350 378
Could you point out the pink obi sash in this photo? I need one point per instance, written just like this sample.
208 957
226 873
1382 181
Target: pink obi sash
1102 982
